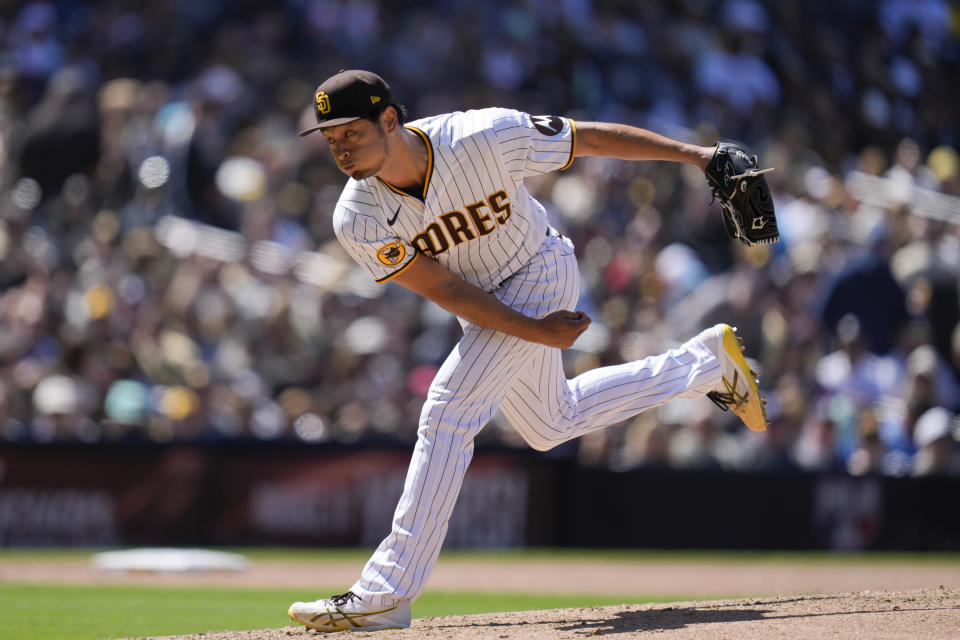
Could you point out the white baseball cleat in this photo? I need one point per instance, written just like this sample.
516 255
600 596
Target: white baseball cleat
738 388
347 612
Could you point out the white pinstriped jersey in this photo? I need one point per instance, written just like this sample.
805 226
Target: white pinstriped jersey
474 215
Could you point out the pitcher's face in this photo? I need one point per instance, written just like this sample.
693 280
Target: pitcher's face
359 147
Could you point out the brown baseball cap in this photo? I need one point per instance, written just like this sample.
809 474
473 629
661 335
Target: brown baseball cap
347 96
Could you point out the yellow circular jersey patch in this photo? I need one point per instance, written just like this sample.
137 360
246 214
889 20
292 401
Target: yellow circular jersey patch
392 253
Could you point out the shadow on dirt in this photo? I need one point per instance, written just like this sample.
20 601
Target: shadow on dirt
631 621
657 619
669 618
663 619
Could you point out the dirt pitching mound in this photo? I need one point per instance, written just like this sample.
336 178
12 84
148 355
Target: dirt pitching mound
932 614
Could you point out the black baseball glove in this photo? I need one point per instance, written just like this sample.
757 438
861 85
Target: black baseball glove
743 194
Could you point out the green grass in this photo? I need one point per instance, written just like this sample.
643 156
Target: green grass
53 612
48 612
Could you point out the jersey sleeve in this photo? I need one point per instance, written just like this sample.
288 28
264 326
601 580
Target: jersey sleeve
532 145
371 244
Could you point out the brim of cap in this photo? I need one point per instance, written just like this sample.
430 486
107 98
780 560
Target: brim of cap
327 123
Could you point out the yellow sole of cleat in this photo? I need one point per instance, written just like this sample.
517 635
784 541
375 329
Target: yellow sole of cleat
753 413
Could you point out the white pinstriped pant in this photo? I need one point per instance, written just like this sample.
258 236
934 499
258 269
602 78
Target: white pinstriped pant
488 370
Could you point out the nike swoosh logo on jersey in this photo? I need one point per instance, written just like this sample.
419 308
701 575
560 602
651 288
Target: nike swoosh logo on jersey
394 218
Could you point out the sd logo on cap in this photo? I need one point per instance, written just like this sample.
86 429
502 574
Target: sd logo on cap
347 96
323 102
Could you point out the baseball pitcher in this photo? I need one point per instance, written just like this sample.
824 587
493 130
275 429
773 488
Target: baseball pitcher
439 207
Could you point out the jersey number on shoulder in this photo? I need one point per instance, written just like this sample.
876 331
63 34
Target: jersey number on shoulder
456 226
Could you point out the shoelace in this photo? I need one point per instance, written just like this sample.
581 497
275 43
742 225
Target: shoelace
717 193
344 598
730 397
722 400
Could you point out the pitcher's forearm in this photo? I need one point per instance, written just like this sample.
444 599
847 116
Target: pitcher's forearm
633 143
435 282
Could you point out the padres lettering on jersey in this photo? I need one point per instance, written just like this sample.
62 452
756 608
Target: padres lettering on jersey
475 215
455 228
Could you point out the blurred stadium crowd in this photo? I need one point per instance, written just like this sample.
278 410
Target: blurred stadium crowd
168 270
